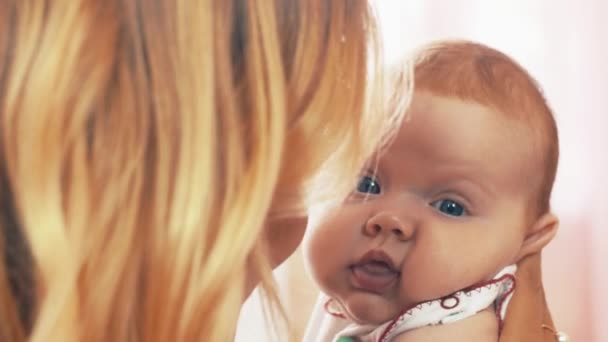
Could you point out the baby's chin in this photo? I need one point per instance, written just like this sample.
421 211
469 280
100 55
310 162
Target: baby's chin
369 308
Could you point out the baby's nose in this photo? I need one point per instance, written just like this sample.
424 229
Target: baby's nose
387 223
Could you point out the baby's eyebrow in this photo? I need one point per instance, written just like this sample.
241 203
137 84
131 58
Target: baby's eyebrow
463 176
484 186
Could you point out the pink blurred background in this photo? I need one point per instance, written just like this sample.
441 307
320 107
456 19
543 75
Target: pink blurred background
564 45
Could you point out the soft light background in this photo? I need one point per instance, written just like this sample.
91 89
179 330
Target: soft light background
564 45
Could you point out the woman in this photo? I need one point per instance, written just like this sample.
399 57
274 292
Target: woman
155 156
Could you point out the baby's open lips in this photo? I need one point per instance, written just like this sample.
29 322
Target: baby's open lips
378 260
376 267
373 277
375 272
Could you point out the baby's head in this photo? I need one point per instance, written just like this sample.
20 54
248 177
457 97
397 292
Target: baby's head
462 191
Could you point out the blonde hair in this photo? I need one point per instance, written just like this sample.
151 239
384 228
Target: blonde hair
144 144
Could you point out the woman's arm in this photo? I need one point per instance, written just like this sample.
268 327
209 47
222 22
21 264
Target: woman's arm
528 310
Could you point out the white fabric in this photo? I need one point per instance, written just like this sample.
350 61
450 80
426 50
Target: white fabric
324 327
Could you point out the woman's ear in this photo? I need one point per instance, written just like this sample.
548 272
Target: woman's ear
539 235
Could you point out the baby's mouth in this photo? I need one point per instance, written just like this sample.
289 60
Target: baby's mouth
375 272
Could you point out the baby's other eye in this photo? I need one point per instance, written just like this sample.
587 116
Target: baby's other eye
450 207
368 185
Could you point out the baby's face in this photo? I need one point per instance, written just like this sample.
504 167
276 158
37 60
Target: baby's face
445 209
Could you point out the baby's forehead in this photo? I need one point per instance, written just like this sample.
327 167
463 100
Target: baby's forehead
461 127
440 132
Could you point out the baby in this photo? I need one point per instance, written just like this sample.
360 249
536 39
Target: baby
432 231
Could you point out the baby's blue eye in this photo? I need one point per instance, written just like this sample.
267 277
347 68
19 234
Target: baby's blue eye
368 185
449 207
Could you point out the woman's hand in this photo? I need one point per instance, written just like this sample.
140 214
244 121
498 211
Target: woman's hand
528 310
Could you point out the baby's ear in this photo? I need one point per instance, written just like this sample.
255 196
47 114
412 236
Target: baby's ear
539 235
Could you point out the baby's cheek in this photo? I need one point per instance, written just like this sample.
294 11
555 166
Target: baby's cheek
313 250
435 277
329 239
322 256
